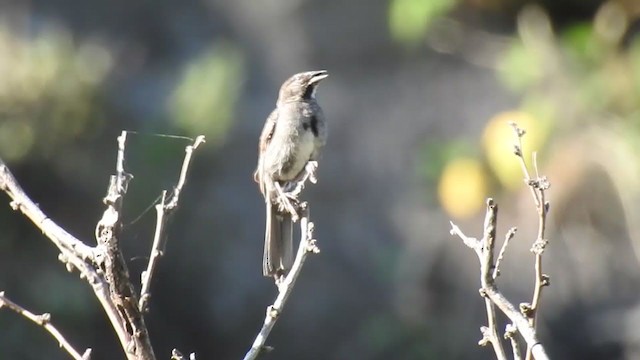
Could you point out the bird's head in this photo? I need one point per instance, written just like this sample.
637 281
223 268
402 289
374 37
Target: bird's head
301 86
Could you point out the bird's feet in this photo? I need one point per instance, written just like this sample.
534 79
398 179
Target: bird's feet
286 201
295 187
289 195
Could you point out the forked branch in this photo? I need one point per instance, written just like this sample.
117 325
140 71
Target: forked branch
103 266
523 320
44 320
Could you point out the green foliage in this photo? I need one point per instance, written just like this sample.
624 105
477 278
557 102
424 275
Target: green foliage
585 70
520 67
48 89
584 80
204 99
580 45
409 20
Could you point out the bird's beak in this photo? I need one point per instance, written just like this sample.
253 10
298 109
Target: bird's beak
318 75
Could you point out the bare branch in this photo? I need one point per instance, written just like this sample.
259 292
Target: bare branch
519 133
102 266
510 234
156 254
490 291
44 320
130 325
510 333
307 246
185 169
73 252
537 186
527 331
471 242
523 321
163 210
490 333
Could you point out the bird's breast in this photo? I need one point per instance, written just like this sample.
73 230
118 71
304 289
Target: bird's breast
290 147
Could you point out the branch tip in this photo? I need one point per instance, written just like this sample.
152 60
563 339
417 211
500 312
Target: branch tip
87 354
200 139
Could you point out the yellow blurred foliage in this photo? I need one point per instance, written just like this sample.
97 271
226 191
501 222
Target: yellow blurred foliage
498 141
463 187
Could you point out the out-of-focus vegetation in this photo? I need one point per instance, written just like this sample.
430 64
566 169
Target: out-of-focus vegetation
570 79
498 140
204 99
409 20
48 89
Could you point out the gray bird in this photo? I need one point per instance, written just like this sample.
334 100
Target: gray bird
293 135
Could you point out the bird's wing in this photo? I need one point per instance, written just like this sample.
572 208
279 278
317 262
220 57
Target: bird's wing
267 131
265 139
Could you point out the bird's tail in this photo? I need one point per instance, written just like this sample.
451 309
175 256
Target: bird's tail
278 242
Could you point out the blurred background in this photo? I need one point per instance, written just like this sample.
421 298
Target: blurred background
418 102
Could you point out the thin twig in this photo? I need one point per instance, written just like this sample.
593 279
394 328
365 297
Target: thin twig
306 247
539 245
163 210
471 242
102 266
185 169
510 234
516 317
519 133
537 187
524 319
156 253
510 333
73 252
44 320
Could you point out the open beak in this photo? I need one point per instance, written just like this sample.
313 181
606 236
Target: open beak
318 75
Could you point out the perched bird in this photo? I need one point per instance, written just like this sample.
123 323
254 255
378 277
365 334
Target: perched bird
293 135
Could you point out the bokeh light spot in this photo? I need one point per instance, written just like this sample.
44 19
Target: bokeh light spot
463 187
498 141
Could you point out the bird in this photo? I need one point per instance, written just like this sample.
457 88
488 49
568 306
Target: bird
292 138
